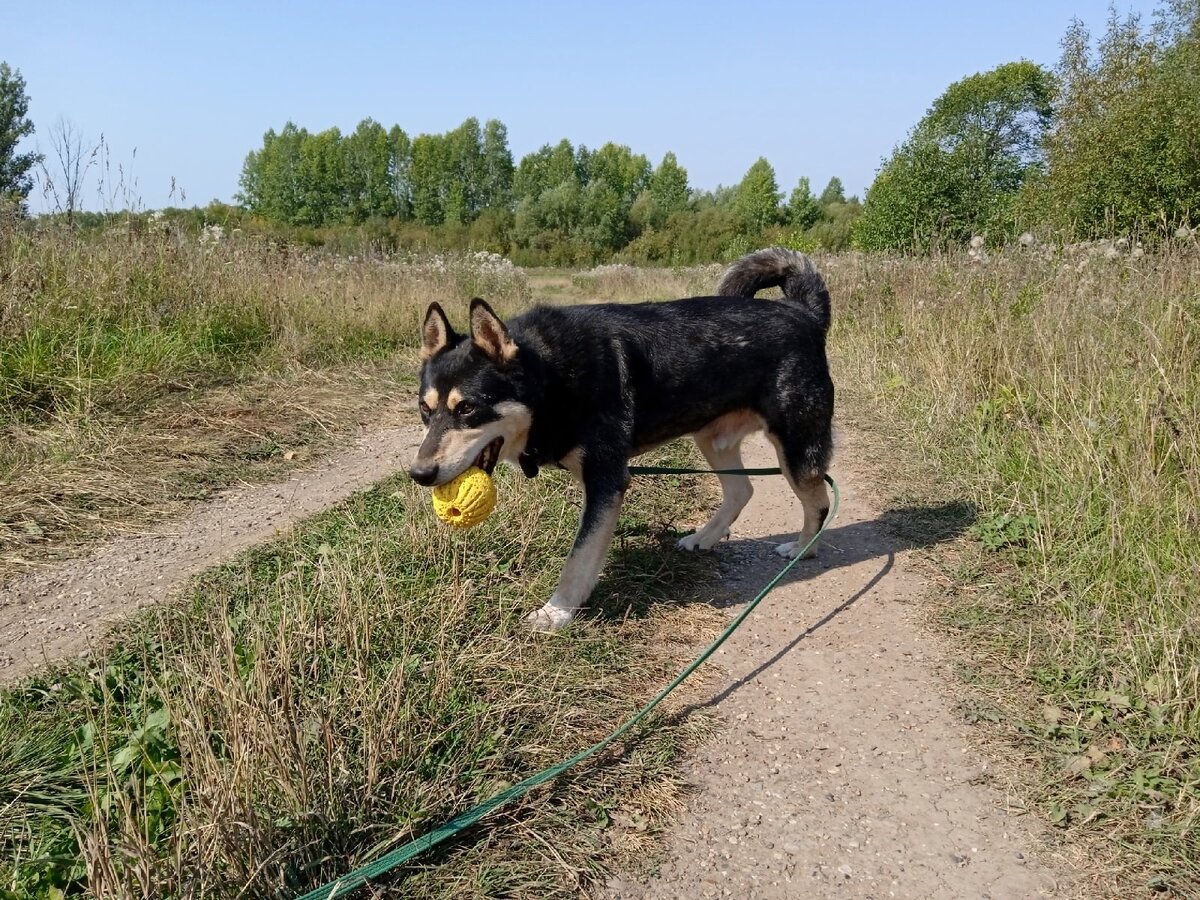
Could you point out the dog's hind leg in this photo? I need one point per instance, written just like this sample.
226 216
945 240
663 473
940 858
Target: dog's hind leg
804 459
602 500
815 500
736 491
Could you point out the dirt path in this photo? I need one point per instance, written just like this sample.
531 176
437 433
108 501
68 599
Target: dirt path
58 612
842 771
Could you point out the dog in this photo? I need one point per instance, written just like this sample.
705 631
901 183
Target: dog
587 387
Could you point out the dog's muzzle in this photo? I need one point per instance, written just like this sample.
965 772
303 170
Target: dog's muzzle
424 473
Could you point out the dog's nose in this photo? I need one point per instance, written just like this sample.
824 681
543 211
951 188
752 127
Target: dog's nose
423 473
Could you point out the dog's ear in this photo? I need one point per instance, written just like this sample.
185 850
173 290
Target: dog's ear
489 334
436 333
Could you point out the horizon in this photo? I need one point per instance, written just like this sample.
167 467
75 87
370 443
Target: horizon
179 124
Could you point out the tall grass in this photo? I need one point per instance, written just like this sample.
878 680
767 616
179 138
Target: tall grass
109 320
325 697
618 281
140 365
337 692
1060 393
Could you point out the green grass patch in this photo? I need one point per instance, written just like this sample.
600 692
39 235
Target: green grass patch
325 697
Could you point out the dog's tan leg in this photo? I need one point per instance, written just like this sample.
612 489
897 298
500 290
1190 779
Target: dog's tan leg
583 566
815 500
736 492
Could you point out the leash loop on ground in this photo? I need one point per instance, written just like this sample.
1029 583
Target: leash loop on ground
417 846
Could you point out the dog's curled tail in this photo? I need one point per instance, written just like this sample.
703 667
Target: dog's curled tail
777 266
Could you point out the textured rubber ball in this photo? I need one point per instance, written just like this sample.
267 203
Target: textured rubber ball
467 500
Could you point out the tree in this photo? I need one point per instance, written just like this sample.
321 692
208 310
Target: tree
15 180
270 180
962 167
833 232
914 203
834 192
758 196
614 176
367 171
464 172
497 187
321 177
547 167
427 174
666 194
73 159
399 164
803 210
1125 153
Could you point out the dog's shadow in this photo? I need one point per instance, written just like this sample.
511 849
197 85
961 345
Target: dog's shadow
742 567
639 578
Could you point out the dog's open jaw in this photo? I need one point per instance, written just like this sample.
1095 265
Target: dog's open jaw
501 440
489 455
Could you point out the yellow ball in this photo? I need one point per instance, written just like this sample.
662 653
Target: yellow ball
467 500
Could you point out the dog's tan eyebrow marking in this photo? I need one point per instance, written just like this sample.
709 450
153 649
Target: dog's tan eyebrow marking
454 398
431 398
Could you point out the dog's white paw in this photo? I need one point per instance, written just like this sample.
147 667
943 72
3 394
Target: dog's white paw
792 548
549 619
700 540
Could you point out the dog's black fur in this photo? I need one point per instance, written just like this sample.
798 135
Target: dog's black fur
594 385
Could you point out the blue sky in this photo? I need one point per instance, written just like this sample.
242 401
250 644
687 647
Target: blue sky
819 89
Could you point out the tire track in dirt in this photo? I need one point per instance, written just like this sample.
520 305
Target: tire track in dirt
59 612
842 770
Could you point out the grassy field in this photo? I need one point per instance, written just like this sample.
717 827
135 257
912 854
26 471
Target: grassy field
141 370
328 696
1058 393
339 690
325 697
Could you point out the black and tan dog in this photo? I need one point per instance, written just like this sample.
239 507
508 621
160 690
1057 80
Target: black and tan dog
588 387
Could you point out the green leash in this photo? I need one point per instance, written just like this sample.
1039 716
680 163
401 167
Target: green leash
672 470
413 848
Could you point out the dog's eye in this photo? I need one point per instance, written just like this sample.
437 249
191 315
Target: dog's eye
424 407
465 408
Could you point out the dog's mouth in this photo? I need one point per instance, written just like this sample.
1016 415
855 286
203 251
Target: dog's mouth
489 455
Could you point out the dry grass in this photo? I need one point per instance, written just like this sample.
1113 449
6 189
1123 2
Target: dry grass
623 282
330 695
139 370
1058 394
69 483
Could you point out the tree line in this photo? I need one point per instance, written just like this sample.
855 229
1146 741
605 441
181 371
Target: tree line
1107 143
560 204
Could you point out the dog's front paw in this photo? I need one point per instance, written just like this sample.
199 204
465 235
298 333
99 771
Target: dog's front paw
701 540
549 619
791 550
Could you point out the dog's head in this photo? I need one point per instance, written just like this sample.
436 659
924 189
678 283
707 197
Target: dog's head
470 396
